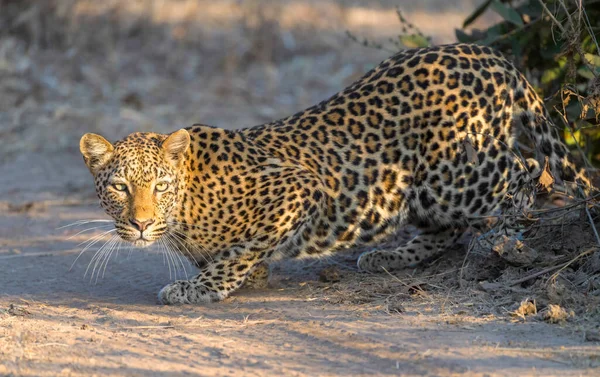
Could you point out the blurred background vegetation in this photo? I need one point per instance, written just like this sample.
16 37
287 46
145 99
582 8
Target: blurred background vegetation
555 43
113 67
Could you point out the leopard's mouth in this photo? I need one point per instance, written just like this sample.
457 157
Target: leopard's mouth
142 242
137 238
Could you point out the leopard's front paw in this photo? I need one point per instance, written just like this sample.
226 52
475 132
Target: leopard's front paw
174 293
185 292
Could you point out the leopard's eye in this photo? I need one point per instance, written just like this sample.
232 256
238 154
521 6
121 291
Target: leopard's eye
120 187
161 186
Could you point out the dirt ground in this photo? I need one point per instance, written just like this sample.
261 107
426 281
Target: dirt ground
231 64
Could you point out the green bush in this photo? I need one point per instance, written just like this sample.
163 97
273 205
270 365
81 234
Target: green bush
554 44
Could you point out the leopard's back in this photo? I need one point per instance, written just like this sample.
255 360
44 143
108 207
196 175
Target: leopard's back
427 135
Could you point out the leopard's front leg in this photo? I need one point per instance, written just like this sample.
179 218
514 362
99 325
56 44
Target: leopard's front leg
215 281
285 205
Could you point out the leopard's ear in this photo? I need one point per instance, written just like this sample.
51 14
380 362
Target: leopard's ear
96 151
175 146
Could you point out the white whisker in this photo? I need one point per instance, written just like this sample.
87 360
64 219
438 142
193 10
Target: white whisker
185 237
168 252
166 257
101 259
177 254
173 261
194 226
88 229
83 222
97 236
93 240
184 246
97 255
107 259
119 246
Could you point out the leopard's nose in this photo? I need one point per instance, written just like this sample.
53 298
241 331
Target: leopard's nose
141 225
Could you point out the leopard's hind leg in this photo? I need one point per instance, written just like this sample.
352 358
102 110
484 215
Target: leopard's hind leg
259 277
512 222
431 242
435 240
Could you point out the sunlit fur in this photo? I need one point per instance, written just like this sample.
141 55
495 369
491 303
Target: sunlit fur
137 179
428 138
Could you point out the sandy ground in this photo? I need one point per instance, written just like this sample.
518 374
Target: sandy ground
54 320
57 320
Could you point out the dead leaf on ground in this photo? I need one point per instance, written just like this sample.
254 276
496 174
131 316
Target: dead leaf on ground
546 180
556 314
527 307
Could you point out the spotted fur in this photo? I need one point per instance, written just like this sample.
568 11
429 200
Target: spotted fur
428 137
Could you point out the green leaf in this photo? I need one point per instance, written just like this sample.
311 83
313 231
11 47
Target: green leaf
489 40
593 59
509 14
414 41
549 52
586 73
475 15
517 47
573 110
552 74
532 8
463 37
571 138
492 34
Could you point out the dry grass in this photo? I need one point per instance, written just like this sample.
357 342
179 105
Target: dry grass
561 284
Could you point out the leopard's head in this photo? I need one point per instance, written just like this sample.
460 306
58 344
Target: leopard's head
138 180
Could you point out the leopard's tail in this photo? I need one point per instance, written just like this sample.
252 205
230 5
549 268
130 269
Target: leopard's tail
535 121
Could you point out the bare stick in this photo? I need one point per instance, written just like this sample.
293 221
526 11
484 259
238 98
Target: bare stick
589 215
528 277
51 345
558 24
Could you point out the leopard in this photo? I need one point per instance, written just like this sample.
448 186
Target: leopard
430 137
